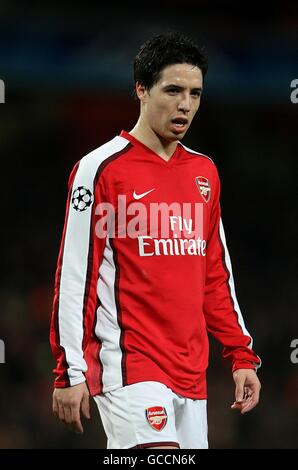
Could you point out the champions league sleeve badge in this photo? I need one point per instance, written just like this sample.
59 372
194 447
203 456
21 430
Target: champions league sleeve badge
82 198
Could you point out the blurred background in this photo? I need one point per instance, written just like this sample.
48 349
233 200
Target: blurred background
68 80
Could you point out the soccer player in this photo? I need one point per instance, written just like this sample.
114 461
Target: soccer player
144 272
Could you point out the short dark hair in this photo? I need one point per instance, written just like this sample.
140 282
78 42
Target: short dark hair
163 50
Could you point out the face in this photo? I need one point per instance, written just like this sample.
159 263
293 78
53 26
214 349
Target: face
169 106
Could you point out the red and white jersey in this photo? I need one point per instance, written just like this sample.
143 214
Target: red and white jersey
135 297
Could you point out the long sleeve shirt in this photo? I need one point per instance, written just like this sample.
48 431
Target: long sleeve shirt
144 273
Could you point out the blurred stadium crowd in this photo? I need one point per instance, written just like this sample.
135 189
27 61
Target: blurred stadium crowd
68 84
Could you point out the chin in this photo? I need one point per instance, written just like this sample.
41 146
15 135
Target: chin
175 135
179 135
168 136
171 136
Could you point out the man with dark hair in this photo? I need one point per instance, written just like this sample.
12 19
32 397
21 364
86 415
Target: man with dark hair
163 50
144 273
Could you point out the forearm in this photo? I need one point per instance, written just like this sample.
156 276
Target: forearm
223 316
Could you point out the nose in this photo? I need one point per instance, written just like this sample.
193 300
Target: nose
184 104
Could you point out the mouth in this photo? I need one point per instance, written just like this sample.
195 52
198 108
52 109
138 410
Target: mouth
179 124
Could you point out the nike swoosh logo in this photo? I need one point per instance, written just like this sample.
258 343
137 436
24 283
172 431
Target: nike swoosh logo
139 196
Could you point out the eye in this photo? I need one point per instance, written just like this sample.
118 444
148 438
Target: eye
172 91
197 93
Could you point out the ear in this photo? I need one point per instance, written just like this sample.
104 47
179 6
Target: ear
141 91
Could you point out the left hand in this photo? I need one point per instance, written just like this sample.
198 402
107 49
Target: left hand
247 391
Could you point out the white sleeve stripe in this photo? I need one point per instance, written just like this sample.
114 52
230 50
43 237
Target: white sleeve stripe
74 268
228 264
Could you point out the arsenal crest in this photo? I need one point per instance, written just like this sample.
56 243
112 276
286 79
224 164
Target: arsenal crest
157 417
204 187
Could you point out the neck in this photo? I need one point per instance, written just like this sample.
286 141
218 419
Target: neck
148 137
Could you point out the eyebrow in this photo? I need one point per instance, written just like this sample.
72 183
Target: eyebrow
172 85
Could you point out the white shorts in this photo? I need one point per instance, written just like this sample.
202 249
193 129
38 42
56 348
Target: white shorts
149 414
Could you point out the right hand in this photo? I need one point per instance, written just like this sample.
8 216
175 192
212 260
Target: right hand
67 404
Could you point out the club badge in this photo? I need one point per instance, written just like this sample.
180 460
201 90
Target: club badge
157 417
204 187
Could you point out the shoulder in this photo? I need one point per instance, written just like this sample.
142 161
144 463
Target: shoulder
89 169
199 154
97 160
204 161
